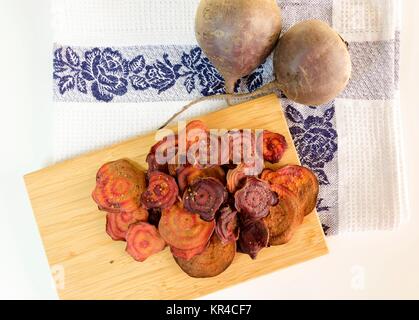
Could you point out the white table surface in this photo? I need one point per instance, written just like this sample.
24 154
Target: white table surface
369 265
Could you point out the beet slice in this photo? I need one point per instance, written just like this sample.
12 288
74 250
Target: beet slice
254 236
254 199
284 218
187 175
215 259
274 146
143 241
205 196
236 178
119 185
165 147
300 180
162 191
188 254
227 227
182 229
195 131
267 174
154 166
117 224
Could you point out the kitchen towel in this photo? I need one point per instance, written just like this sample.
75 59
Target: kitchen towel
121 68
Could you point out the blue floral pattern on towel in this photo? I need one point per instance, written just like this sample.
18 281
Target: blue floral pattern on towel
315 139
106 73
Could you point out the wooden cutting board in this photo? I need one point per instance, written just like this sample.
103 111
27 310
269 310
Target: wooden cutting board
87 264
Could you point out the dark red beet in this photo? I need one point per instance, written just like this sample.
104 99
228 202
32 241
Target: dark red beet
237 35
162 191
205 196
227 228
253 237
254 200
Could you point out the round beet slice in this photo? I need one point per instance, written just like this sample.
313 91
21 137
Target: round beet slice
182 229
211 262
119 185
143 241
284 218
227 227
117 224
274 146
162 191
254 199
300 180
254 236
205 196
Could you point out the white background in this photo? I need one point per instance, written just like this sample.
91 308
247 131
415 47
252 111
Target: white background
369 265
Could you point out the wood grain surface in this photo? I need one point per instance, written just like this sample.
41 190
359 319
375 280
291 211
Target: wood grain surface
92 266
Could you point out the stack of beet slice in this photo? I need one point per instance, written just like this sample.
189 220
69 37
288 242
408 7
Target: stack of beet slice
201 202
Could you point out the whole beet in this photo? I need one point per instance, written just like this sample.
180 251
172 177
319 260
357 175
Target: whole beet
237 35
312 63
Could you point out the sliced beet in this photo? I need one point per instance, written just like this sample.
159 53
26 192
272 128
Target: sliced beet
299 180
254 199
266 174
205 196
143 241
227 227
162 191
274 146
165 148
119 185
187 175
182 229
211 262
254 236
188 254
117 224
154 166
284 218
195 131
